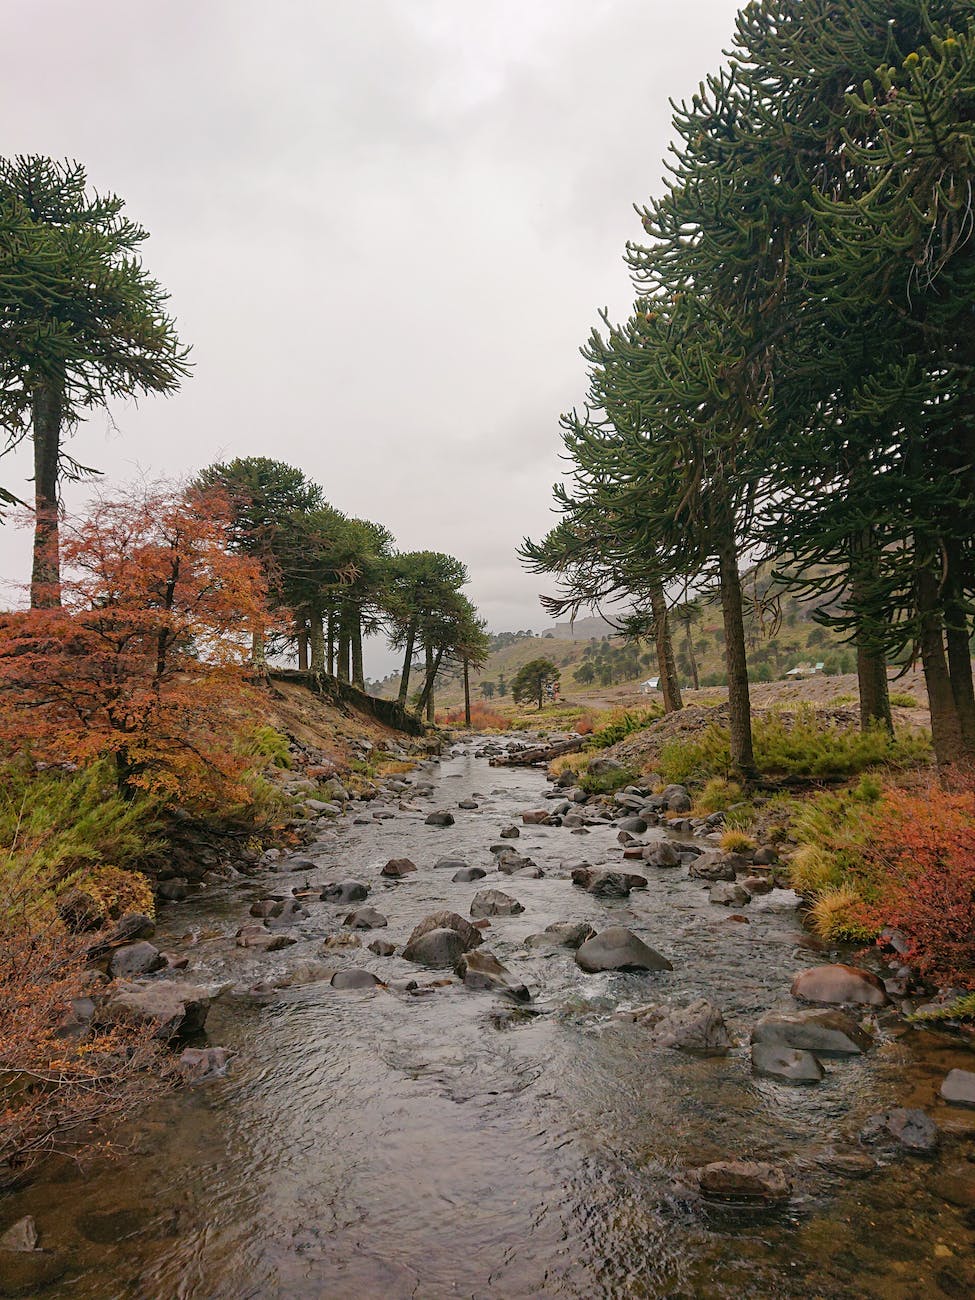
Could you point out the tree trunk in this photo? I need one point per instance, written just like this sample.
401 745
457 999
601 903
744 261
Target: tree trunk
317 633
669 684
946 733
426 695
871 665
257 645
46 410
345 643
301 637
330 647
739 704
467 694
691 657
358 676
957 638
404 681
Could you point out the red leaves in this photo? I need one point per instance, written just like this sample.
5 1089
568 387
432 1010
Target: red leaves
924 850
149 651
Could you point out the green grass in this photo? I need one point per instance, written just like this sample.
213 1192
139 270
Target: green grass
606 782
622 723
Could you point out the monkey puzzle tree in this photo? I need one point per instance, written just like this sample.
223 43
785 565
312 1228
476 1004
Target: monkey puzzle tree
83 323
533 680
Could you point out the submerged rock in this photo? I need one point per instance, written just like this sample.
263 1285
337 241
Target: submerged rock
743 1180
902 1126
617 948
959 1088
698 1027
482 970
355 978
198 1064
792 1065
466 874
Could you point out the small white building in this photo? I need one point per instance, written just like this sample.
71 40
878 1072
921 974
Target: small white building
650 685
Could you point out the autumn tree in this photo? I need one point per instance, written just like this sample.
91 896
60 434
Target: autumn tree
83 323
144 663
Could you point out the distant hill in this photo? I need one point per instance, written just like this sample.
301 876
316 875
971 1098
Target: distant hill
777 641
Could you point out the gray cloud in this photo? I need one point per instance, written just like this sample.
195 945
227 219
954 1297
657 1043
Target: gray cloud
386 229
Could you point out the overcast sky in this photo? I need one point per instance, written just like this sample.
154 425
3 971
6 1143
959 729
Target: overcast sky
386 227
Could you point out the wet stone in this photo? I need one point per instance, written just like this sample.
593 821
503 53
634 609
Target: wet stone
617 948
365 918
466 874
440 818
482 970
603 883
494 902
345 891
839 984
904 1127
728 894
355 978
396 868
446 920
135 959
382 947
562 934
826 1032
743 1180
959 1088
789 1064
698 1027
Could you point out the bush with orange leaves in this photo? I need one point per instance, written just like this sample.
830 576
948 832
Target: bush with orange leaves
145 662
482 718
921 856
63 1084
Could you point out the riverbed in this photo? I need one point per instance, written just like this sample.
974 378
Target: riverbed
445 1142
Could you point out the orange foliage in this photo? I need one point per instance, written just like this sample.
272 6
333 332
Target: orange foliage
585 726
922 855
61 1081
482 718
148 653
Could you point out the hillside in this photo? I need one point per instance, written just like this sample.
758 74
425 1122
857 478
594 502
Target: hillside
778 641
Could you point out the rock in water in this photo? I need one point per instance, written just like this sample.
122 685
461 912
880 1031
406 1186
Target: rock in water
482 970
743 1180
355 978
396 868
438 948
493 902
728 894
603 883
470 934
382 948
712 866
345 891
171 1007
699 1027
197 1064
661 855
786 1063
466 874
959 1088
135 959
562 934
617 948
839 984
365 918
440 818
902 1126
829 1033
20 1236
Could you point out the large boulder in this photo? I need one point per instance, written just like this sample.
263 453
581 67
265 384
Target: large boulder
365 918
135 959
171 1007
789 1064
440 818
482 970
604 883
828 1033
959 1088
445 920
617 948
439 949
839 984
494 902
743 1180
712 865
699 1027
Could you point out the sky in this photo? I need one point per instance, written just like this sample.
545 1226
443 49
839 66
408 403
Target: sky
386 228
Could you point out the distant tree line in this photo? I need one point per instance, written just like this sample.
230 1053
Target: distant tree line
795 380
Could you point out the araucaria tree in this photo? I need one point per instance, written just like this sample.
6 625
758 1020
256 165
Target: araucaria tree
795 380
81 323
533 680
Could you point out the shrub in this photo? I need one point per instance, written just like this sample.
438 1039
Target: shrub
923 851
267 743
812 870
622 723
735 841
483 718
962 1008
901 700
717 794
605 782
837 916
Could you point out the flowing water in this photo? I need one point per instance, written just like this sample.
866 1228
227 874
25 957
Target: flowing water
377 1144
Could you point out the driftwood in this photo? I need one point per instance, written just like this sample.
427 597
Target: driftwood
540 754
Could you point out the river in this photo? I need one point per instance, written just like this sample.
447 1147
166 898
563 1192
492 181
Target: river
377 1144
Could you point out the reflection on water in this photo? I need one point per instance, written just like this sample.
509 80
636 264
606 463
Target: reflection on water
376 1144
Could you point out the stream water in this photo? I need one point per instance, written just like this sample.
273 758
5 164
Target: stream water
376 1144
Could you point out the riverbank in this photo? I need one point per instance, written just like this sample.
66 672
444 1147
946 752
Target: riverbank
422 1137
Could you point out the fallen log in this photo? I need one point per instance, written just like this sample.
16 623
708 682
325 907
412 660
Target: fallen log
539 754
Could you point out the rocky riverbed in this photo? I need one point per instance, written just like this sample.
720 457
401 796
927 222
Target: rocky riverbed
470 1048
